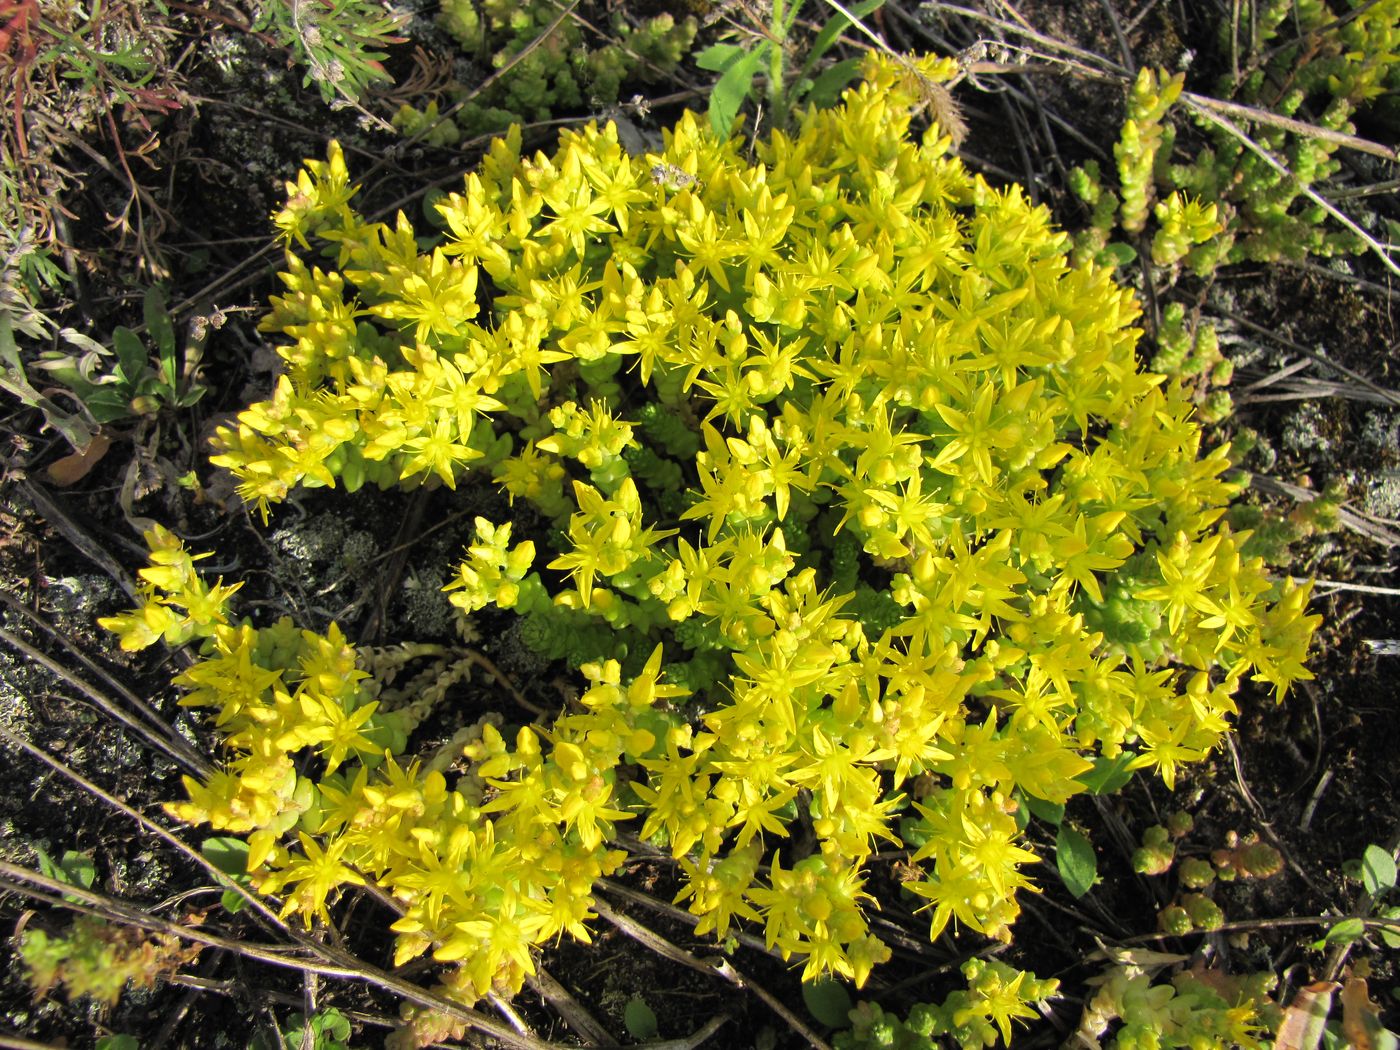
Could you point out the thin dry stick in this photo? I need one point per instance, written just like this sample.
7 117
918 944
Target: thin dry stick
509 1012
1297 127
1092 63
1312 355
328 962
658 944
146 823
1281 923
865 30
1306 818
690 1042
587 1027
1364 524
195 762
172 747
112 681
1141 16
1282 385
1273 377
1373 189
51 511
1268 158
675 914
1360 588
1129 62
174 1018
480 660
22 880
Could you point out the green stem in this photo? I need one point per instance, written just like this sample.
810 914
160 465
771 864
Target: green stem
777 94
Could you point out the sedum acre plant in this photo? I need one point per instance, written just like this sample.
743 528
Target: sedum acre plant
866 526
547 64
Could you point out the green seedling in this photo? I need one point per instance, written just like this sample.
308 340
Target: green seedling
740 66
131 379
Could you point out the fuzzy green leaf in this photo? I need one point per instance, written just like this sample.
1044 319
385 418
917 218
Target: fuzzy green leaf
131 355
79 868
640 1019
732 88
160 326
1391 934
719 57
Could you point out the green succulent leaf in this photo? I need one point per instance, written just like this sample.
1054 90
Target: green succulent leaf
1075 860
228 854
1050 812
1377 870
1109 775
640 1019
828 1001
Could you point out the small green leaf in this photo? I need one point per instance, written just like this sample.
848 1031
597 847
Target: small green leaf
228 854
1109 774
828 1001
1050 812
107 406
48 868
1116 253
1075 859
431 200
331 1022
732 88
73 869
1377 870
1347 931
639 1019
78 868
118 1042
232 902
1391 934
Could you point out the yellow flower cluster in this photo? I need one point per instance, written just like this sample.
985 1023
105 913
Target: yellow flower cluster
841 438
